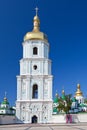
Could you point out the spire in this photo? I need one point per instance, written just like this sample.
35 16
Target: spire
36 10
5 101
63 95
63 92
5 93
5 98
56 95
78 92
36 21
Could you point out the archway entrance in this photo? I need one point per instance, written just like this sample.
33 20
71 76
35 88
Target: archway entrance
34 119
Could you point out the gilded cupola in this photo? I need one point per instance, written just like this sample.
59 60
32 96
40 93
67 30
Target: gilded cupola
56 98
63 95
35 34
63 92
56 95
78 92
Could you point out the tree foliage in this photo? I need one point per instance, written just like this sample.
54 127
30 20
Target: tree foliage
65 105
85 100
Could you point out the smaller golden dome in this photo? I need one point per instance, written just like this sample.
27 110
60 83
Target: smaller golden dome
63 92
36 18
35 34
78 92
5 99
56 95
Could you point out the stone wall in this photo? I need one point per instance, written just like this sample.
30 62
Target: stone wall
79 117
7 119
58 118
76 118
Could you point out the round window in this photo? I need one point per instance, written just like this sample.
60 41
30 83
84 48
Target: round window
35 67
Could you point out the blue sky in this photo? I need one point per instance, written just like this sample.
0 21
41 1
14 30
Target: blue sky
65 23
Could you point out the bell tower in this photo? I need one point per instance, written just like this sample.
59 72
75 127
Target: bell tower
34 84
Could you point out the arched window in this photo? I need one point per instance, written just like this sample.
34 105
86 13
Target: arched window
35 91
35 51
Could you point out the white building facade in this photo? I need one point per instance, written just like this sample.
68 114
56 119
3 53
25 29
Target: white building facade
34 84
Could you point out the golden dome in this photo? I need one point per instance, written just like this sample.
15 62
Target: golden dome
63 92
78 92
35 34
56 95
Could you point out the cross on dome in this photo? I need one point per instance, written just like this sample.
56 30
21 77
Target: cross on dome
36 10
5 93
63 87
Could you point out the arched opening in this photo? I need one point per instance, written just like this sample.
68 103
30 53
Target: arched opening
34 119
35 91
35 67
35 51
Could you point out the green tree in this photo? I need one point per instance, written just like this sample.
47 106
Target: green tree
65 103
85 100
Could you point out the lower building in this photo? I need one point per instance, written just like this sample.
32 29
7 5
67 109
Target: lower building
77 102
5 108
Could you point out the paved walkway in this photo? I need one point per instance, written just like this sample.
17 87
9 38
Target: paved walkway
79 126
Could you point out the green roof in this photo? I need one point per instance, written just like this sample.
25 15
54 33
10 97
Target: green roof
63 97
83 105
55 110
74 99
56 100
5 102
